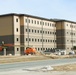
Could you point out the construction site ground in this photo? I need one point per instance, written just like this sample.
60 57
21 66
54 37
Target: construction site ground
12 59
69 67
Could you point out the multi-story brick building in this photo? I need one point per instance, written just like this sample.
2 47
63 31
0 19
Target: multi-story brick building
23 31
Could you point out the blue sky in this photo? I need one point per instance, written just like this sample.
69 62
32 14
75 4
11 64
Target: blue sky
62 9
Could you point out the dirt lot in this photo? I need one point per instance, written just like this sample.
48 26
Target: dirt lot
69 67
11 59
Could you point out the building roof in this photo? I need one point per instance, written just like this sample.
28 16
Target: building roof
53 20
14 14
62 20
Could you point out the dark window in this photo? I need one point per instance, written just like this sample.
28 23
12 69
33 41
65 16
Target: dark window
17 20
53 32
35 31
67 32
32 21
35 22
32 39
35 40
67 24
48 32
29 30
17 49
17 39
26 39
38 31
26 30
26 20
46 40
48 24
17 29
41 40
32 30
43 23
45 32
29 21
38 49
38 40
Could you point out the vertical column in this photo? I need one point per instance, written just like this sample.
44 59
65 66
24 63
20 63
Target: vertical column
4 51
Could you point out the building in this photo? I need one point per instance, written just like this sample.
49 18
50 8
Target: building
22 31
66 34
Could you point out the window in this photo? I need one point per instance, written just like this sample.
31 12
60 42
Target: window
29 30
26 20
35 40
38 40
38 31
48 24
46 40
67 32
26 30
26 39
17 39
40 23
38 49
17 29
17 20
32 30
48 32
35 22
32 39
45 32
29 39
35 31
17 49
32 21
41 31
67 24
29 21
43 23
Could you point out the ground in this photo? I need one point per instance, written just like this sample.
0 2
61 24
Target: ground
11 59
69 67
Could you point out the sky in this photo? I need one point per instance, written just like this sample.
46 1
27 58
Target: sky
51 9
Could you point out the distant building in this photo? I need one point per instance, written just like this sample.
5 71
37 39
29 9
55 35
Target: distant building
22 31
